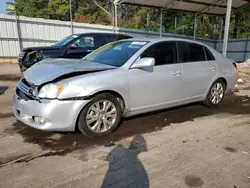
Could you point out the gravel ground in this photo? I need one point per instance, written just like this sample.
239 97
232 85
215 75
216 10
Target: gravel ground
189 146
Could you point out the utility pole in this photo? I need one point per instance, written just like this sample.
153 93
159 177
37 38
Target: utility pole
71 17
226 31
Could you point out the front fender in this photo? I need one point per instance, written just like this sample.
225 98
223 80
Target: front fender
81 93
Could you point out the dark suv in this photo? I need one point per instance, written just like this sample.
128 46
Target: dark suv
74 46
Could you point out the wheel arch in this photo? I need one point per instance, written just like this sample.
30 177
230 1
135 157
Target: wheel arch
115 94
220 78
223 80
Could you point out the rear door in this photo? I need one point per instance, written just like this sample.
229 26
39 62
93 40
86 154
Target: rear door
82 46
199 69
153 87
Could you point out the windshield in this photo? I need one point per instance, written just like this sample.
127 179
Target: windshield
115 54
66 40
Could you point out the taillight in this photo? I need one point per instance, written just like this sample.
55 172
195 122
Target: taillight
235 65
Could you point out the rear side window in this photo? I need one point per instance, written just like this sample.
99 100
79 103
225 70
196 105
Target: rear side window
105 39
190 52
209 55
164 53
121 37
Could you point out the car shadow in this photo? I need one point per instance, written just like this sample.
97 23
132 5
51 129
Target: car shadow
9 77
233 104
3 89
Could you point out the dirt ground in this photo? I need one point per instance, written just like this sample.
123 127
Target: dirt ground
189 146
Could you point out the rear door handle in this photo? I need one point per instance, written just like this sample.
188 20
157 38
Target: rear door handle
176 73
212 69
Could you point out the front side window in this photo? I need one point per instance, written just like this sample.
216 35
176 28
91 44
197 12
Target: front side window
116 53
85 42
164 53
190 52
66 41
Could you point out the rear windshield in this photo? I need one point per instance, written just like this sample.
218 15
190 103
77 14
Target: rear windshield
115 54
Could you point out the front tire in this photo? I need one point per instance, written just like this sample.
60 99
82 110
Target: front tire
101 116
216 94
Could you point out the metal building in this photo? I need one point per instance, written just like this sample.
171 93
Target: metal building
214 7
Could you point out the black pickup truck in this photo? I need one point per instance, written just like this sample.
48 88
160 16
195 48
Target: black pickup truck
74 46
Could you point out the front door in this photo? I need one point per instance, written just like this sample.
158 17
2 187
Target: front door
154 87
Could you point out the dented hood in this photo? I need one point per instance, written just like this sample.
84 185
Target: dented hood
50 69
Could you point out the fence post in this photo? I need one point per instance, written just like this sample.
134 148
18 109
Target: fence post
175 25
246 46
195 26
220 40
161 24
18 30
147 22
116 19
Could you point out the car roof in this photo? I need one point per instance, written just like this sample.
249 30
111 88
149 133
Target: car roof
155 40
100 33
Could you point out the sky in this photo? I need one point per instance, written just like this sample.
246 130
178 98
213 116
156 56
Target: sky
3 6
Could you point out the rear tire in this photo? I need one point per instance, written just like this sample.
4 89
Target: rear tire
101 116
215 95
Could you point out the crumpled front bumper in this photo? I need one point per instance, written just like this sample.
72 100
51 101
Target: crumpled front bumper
59 115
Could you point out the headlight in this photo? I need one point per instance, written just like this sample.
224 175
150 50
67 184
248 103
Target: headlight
51 91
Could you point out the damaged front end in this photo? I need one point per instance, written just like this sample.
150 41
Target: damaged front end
27 91
44 114
27 58
44 80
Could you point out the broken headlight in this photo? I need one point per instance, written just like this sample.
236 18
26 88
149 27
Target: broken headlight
51 91
34 56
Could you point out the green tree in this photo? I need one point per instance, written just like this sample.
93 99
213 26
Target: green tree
240 24
32 8
96 11
59 9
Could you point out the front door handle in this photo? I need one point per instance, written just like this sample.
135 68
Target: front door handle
89 50
177 73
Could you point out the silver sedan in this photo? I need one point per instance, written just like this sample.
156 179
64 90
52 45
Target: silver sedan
121 79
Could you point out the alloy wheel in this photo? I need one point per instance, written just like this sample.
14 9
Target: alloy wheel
101 116
217 93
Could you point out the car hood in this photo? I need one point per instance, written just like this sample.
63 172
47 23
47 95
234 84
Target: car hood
41 48
50 69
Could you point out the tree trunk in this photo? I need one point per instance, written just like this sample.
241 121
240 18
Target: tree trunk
236 24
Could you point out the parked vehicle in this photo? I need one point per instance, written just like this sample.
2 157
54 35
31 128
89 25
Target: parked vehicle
121 79
74 46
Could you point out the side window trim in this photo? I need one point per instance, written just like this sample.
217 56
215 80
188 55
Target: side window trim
207 51
177 53
203 47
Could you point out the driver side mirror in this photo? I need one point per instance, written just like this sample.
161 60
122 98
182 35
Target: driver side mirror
143 62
